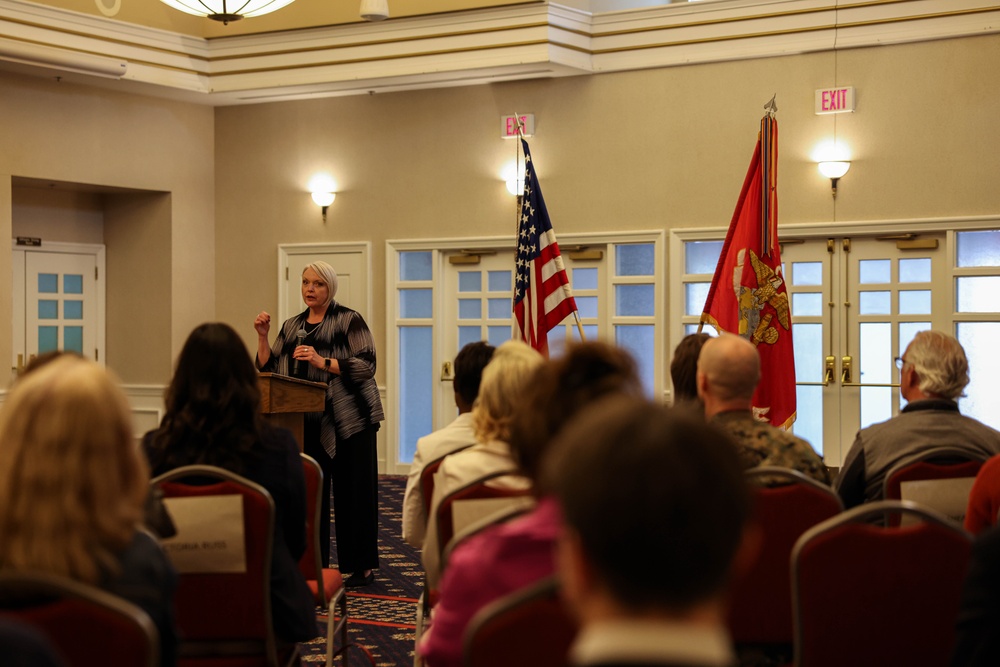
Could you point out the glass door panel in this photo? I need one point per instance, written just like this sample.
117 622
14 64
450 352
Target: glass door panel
60 303
899 290
856 304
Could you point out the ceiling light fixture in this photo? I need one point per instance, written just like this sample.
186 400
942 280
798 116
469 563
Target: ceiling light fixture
227 10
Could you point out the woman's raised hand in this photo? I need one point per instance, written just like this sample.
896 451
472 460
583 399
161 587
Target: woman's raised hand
262 324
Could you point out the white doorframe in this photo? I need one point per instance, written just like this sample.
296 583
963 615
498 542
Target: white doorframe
18 256
321 251
328 252
439 247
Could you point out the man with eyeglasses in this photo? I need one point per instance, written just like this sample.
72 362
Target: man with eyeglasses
933 373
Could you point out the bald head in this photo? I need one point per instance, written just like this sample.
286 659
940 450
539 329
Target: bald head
728 370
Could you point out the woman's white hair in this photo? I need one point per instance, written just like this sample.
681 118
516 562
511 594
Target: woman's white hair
940 363
329 276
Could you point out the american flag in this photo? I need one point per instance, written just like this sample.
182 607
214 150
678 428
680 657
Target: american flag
542 296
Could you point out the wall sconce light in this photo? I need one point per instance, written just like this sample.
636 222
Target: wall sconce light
323 200
513 176
834 170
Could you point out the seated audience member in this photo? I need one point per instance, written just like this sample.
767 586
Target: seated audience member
72 490
21 645
984 498
977 642
684 368
655 511
156 517
469 365
213 418
510 556
728 373
504 380
934 373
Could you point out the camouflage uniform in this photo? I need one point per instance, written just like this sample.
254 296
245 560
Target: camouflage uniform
761 444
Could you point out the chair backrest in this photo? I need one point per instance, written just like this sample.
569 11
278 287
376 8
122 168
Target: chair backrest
427 477
88 627
865 594
502 516
528 628
311 564
940 478
474 501
227 612
786 504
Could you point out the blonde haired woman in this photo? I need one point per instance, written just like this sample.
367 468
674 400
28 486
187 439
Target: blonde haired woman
330 343
72 489
504 380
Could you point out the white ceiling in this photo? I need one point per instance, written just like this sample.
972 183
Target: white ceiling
317 48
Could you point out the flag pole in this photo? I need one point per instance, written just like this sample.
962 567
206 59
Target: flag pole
769 110
520 136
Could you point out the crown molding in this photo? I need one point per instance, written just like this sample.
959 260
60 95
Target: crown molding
525 41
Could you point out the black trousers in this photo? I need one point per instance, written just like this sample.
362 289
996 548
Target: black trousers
352 475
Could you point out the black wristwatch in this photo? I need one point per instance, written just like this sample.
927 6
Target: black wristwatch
326 364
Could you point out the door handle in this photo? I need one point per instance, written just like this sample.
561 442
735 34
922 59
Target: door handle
831 362
845 370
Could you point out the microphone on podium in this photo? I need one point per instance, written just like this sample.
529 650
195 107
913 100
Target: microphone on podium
300 338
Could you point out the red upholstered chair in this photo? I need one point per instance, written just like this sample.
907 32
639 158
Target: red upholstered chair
786 504
865 594
476 490
88 627
427 478
528 628
224 618
326 583
949 474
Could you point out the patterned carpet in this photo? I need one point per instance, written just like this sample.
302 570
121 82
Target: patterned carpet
381 616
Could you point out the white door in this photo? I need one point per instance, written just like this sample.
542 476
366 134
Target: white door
58 301
856 305
349 261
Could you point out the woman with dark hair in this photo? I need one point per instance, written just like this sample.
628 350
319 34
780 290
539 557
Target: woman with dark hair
213 418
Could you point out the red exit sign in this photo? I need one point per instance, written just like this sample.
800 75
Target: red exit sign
508 125
835 100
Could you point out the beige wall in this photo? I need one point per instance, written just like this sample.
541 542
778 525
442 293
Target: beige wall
640 150
212 192
74 134
58 215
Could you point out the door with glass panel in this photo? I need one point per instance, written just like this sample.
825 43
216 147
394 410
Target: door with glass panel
478 302
57 304
856 304
854 311
447 298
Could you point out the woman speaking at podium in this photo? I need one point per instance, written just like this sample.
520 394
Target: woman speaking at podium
330 343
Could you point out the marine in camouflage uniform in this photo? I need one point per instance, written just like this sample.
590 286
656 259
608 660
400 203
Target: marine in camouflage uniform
761 444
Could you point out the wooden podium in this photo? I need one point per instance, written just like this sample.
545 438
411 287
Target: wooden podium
285 400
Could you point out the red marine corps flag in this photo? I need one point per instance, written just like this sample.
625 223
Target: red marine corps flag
542 296
748 295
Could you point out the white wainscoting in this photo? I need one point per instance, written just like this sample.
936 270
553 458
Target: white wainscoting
146 403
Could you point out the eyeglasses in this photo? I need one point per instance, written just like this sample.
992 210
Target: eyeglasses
900 362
